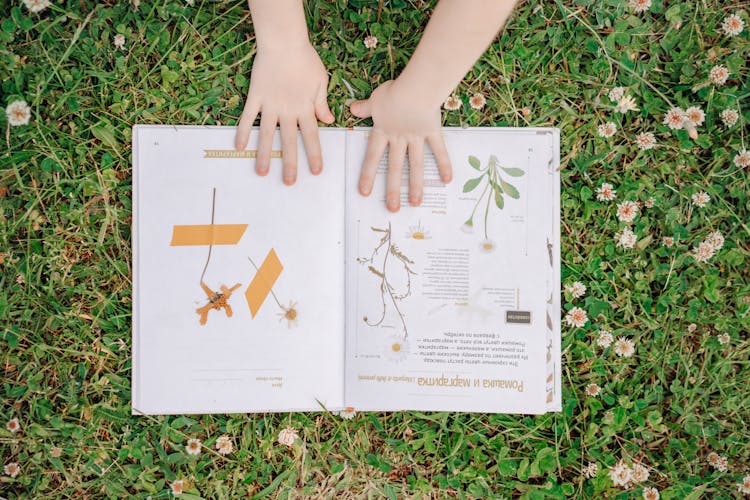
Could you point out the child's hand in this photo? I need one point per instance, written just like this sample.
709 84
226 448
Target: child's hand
288 86
402 120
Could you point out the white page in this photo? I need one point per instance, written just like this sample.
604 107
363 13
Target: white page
240 363
452 323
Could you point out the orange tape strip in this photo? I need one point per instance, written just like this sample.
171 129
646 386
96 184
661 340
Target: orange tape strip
207 234
261 285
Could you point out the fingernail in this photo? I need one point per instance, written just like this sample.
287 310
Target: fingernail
261 170
316 170
364 191
392 202
289 179
416 199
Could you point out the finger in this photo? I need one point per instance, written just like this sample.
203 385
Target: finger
249 114
289 149
441 156
309 128
361 109
376 145
396 152
416 171
265 142
322 111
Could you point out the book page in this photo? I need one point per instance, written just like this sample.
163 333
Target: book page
238 279
447 303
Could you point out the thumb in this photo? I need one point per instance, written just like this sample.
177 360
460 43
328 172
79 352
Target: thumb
361 109
322 111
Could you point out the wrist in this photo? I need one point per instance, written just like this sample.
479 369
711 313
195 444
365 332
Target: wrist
416 92
279 24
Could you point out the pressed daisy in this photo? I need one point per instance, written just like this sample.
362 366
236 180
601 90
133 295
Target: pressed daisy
624 347
639 6
715 239
193 446
177 487
675 118
605 192
732 25
452 103
347 413
12 469
607 129
744 486
36 5
577 289
576 317
667 241
700 199
477 101
627 210
13 425
396 350
626 238
742 159
590 470
224 445
290 314
487 245
592 390
620 474
640 473
418 232
18 113
729 117
56 452
645 141
719 74
650 493
288 436
370 42
723 338
604 339
616 94
625 104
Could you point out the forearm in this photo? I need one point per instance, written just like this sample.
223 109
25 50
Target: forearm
456 36
278 23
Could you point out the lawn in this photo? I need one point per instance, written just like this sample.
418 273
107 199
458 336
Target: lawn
655 211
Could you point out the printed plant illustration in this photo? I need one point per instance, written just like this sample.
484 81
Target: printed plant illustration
384 259
495 188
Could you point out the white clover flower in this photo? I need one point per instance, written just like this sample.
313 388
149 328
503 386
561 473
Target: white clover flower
224 445
645 141
744 486
742 159
119 41
347 413
604 339
18 113
177 487
703 251
723 338
288 436
715 239
650 493
626 238
477 101
607 129
624 347
640 473
627 210
700 199
591 470
605 192
719 74
732 25
12 469
452 103
639 6
36 5
193 446
616 94
577 289
625 104
13 426
592 390
370 42
675 118
576 317
620 474
729 117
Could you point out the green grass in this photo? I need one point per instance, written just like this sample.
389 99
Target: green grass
65 216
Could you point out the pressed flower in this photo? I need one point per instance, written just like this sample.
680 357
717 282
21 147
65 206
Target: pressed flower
607 129
604 339
729 117
177 487
487 245
605 192
577 289
592 390
396 350
452 103
591 470
627 210
193 446
288 436
719 74
18 113
645 141
732 25
576 317
119 41
347 413
418 233
639 6
224 445
13 425
650 493
625 104
742 159
36 5
616 94
715 239
370 42
620 474
675 118
290 314
723 338
700 199
626 238
12 469
624 347
477 101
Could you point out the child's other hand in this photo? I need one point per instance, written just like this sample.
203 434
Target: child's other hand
402 121
288 86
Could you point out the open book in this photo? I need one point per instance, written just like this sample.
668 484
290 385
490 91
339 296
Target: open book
253 296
